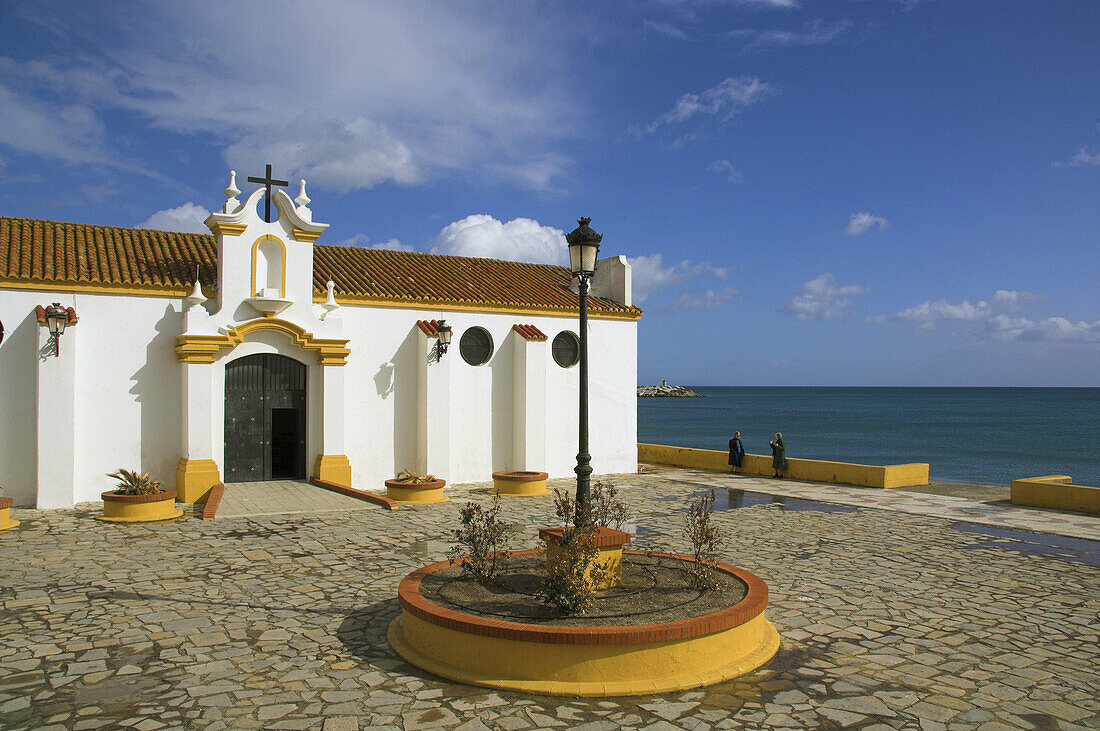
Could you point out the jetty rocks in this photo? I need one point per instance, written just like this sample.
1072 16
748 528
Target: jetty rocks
667 391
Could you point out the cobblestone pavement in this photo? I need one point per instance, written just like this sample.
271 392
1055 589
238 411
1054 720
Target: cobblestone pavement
889 619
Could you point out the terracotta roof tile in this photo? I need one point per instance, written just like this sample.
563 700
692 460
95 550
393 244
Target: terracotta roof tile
36 251
429 327
529 332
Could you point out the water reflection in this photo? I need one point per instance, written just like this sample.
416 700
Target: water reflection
1035 544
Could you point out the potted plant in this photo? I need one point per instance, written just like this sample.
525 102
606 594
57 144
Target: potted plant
409 487
138 499
6 521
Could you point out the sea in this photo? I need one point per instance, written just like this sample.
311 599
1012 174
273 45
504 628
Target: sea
980 435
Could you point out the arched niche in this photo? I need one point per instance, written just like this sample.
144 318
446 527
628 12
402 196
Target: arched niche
268 267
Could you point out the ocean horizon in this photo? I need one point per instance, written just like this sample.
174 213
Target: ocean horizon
981 434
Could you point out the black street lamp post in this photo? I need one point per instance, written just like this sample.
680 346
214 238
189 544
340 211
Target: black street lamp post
584 244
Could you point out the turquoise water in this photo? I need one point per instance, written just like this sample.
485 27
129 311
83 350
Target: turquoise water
985 435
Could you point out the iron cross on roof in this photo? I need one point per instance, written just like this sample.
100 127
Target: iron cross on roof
267 181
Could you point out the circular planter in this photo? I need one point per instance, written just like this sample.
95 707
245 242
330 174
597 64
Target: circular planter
588 660
6 521
139 508
520 482
409 492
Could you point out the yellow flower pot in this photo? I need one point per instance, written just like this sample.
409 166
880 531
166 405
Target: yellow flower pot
411 492
520 482
139 508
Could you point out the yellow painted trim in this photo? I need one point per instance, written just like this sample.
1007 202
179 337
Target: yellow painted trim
457 306
303 235
229 229
408 495
1055 491
334 468
139 512
155 290
815 470
517 489
146 290
584 670
255 250
194 478
204 348
6 521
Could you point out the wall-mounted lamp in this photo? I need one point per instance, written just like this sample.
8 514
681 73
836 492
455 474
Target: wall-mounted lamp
56 319
444 335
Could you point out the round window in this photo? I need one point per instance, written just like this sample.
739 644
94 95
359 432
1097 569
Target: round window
476 346
566 349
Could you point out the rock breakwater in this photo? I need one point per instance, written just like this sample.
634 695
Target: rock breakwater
667 391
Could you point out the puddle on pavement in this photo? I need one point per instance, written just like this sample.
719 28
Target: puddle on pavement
1035 544
732 499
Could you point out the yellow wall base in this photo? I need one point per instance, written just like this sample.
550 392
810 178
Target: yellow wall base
584 670
6 521
139 512
410 495
194 478
815 470
1055 491
334 468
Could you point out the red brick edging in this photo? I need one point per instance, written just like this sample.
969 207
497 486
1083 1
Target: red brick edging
370 497
520 476
754 603
6 502
113 497
605 537
213 499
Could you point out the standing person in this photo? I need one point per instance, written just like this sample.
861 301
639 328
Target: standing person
737 452
779 455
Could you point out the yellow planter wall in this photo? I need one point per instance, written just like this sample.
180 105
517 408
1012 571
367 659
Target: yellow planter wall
898 475
1055 491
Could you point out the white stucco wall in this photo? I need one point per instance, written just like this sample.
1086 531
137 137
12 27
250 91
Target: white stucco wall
126 390
128 401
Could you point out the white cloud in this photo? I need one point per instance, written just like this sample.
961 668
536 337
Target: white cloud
400 91
521 239
340 156
666 29
363 241
862 222
1083 157
814 33
187 218
724 100
706 300
928 313
649 274
822 299
1053 329
727 168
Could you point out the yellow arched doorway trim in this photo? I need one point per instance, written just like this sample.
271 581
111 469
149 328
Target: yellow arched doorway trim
203 348
255 253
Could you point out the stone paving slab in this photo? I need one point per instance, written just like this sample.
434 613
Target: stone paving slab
890 619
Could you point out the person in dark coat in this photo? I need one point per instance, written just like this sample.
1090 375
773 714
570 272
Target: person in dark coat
779 455
737 452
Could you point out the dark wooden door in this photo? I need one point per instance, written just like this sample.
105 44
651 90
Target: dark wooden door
265 418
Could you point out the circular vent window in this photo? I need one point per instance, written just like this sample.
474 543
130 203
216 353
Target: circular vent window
476 346
566 349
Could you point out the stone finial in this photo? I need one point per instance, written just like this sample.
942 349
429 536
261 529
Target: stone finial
302 200
231 194
330 302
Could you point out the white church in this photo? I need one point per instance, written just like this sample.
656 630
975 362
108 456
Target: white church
257 353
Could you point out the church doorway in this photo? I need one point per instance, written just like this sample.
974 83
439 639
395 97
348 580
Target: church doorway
265 419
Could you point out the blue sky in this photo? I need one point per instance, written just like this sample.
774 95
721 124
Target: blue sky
811 193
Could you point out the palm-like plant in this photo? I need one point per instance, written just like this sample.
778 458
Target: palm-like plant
131 483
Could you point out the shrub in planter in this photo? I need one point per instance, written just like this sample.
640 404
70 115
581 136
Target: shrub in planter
138 499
